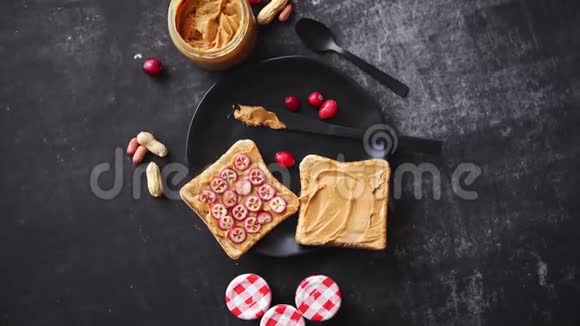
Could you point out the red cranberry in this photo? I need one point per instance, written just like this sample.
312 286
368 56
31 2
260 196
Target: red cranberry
328 109
152 67
315 99
285 159
292 103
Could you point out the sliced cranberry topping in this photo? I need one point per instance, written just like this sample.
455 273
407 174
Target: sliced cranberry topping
237 234
243 187
266 192
226 222
219 211
251 225
239 212
230 198
264 218
278 204
253 203
242 162
256 176
218 185
207 196
229 175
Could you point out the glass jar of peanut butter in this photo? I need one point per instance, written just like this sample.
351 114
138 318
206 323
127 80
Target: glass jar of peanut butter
216 34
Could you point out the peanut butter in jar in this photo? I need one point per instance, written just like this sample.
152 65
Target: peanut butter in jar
216 34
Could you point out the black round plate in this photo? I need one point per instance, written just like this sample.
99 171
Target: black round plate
213 130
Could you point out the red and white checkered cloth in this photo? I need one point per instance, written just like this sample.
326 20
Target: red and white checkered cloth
282 315
318 298
248 296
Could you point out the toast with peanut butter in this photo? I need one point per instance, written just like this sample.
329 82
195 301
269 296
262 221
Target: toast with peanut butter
343 204
238 198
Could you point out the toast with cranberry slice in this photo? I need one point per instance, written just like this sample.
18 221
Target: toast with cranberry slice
233 192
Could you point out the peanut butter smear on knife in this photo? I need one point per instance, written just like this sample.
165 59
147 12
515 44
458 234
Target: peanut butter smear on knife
257 116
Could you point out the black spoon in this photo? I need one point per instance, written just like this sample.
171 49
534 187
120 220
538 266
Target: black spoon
319 38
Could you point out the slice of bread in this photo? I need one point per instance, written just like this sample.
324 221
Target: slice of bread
190 193
343 204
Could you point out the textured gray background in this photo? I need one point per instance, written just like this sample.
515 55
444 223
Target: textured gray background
498 79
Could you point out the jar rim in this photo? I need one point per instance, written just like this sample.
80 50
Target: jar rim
174 6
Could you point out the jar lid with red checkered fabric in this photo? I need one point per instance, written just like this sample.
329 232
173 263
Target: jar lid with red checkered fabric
248 296
318 298
282 315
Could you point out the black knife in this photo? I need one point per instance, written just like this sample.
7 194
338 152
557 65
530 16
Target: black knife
378 135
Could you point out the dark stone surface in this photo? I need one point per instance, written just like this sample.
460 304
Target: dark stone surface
498 79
